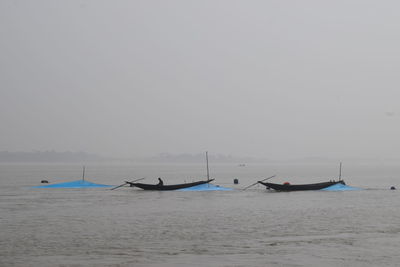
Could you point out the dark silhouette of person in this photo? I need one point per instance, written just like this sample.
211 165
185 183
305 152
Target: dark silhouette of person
160 182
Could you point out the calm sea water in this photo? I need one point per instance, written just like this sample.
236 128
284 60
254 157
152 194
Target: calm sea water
130 227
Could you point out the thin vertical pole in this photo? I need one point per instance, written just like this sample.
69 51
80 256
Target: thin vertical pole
340 172
208 170
83 174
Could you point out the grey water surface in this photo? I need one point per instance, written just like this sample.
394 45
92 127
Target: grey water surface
255 227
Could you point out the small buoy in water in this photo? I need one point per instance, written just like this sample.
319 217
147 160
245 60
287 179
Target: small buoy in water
44 182
392 188
236 181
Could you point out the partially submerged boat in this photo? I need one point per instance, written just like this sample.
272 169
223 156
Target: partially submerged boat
300 187
162 187
74 184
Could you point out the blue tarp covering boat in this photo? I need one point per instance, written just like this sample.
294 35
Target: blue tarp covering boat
205 187
73 184
341 187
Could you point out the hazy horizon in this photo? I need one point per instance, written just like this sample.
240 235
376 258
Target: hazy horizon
266 79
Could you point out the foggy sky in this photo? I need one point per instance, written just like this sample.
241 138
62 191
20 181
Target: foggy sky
255 78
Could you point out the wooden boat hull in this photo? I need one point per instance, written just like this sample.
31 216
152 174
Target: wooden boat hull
156 187
300 187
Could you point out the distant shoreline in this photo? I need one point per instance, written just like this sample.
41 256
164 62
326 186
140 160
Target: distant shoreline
50 157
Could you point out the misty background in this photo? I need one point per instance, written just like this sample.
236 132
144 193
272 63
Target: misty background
268 79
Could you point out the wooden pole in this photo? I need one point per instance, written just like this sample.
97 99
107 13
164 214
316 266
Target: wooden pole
257 182
208 170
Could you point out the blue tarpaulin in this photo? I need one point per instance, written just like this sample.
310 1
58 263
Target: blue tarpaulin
73 184
205 187
341 187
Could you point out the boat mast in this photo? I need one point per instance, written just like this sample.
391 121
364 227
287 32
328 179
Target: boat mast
208 170
83 174
340 172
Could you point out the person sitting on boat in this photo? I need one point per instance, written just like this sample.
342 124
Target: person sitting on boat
160 182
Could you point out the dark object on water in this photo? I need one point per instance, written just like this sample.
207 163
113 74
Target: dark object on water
160 182
300 187
158 187
392 188
44 181
236 181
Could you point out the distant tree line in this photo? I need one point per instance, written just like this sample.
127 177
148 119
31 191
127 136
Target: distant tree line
195 158
47 156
